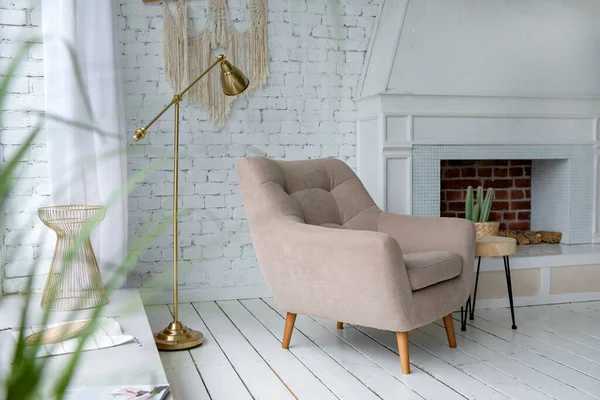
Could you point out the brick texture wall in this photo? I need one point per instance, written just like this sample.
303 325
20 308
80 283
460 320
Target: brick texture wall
316 53
24 238
511 180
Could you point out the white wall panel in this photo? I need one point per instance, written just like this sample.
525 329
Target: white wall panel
497 47
367 157
399 185
501 130
398 129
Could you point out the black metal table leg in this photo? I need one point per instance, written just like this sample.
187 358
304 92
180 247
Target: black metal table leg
509 287
472 316
464 312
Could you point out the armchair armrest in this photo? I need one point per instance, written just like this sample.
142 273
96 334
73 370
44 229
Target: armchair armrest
347 275
417 234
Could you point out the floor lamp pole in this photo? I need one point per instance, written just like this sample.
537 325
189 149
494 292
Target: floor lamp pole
176 216
177 336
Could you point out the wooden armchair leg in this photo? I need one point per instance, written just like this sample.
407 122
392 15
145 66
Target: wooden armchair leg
449 324
290 319
402 338
340 325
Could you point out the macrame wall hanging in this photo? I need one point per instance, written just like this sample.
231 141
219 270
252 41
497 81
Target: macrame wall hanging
188 56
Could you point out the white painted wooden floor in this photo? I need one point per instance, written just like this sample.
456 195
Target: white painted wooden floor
554 354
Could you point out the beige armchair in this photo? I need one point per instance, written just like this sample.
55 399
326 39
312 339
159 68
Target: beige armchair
327 250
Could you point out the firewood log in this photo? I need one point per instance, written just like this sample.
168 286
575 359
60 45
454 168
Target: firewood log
551 237
533 237
511 234
522 239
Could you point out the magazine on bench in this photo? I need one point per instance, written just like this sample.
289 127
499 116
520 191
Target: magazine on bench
134 392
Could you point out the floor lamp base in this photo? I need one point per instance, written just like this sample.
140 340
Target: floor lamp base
177 336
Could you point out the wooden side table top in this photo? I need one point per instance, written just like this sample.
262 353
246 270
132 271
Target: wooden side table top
495 246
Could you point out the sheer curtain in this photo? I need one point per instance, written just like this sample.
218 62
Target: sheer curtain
87 165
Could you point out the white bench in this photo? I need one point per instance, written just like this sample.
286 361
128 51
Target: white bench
127 365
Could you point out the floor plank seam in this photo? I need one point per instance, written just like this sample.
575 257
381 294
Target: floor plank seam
522 363
199 374
529 337
566 308
258 353
562 337
176 361
555 354
542 372
590 306
546 343
590 320
444 361
459 368
223 351
421 368
575 340
369 358
194 361
584 314
355 380
325 352
494 367
438 340
299 360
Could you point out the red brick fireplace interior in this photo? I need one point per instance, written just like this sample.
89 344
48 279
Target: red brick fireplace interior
511 180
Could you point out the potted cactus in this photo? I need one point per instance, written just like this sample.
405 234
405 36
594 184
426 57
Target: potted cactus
478 211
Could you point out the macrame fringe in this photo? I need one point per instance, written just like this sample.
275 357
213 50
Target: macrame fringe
187 57
175 45
221 24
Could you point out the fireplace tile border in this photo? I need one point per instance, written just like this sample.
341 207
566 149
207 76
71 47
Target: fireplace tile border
575 181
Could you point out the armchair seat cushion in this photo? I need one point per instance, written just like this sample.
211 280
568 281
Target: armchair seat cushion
431 267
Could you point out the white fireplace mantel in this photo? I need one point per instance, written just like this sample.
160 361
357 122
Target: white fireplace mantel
391 127
480 82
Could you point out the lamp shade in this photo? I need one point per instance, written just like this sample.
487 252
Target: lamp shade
233 81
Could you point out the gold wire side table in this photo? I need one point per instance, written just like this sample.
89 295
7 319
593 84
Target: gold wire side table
74 281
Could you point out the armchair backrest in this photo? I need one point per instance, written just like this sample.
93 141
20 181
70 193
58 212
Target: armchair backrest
323 192
280 198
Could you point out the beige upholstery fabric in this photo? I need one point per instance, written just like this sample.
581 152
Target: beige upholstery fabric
431 267
328 251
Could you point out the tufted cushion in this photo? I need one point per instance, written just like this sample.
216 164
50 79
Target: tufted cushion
317 192
326 174
431 267
318 206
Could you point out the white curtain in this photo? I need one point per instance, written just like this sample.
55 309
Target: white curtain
87 166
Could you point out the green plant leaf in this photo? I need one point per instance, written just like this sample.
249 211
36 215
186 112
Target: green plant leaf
469 204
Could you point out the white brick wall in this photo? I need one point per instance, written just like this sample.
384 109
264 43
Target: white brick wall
25 238
316 52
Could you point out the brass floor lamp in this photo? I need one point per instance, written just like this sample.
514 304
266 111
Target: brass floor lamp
177 336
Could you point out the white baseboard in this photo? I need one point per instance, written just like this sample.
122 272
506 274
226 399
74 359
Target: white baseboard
538 300
152 297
